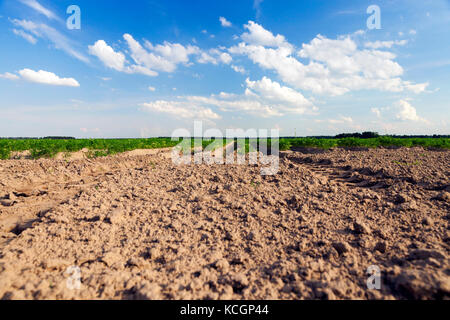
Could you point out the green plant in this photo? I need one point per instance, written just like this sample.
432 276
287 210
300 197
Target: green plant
5 154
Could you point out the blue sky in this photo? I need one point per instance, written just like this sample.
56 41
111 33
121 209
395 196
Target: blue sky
145 68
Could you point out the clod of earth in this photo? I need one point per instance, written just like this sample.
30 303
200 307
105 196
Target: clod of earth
140 227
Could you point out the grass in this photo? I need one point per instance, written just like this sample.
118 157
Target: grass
48 148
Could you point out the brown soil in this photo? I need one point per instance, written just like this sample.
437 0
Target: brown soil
139 227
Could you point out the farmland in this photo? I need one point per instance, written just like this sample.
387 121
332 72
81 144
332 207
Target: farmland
48 148
140 227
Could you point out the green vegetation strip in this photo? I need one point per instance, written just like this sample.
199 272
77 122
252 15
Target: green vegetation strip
383 141
48 148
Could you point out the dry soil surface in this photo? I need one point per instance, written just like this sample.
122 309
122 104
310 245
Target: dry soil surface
139 227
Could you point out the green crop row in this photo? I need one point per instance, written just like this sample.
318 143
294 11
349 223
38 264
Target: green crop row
47 148
383 141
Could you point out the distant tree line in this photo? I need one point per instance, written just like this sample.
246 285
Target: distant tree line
364 135
369 135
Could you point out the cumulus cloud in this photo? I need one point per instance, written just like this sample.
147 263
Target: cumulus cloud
284 98
164 57
41 30
206 58
214 56
116 60
225 58
401 110
149 60
257 35
46 77
264 98
238 69
407 112
110 58
153 89
224 22
333 67
415 87
9 76
180 109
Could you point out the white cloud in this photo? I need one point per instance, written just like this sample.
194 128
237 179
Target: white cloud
257 35
39 8
86 130
46 77
153 89
224 22
416 88
9 76
236 103
163 58
214 56
412 32
206 58
284 98
226 58
238 69
180 110
376 111
110 58
407 112
264 98
342 57
173 52
401 110
333 67
25 35
341 120
44 31
385 44
116 60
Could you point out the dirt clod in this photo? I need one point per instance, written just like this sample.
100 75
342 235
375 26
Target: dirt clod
138 226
